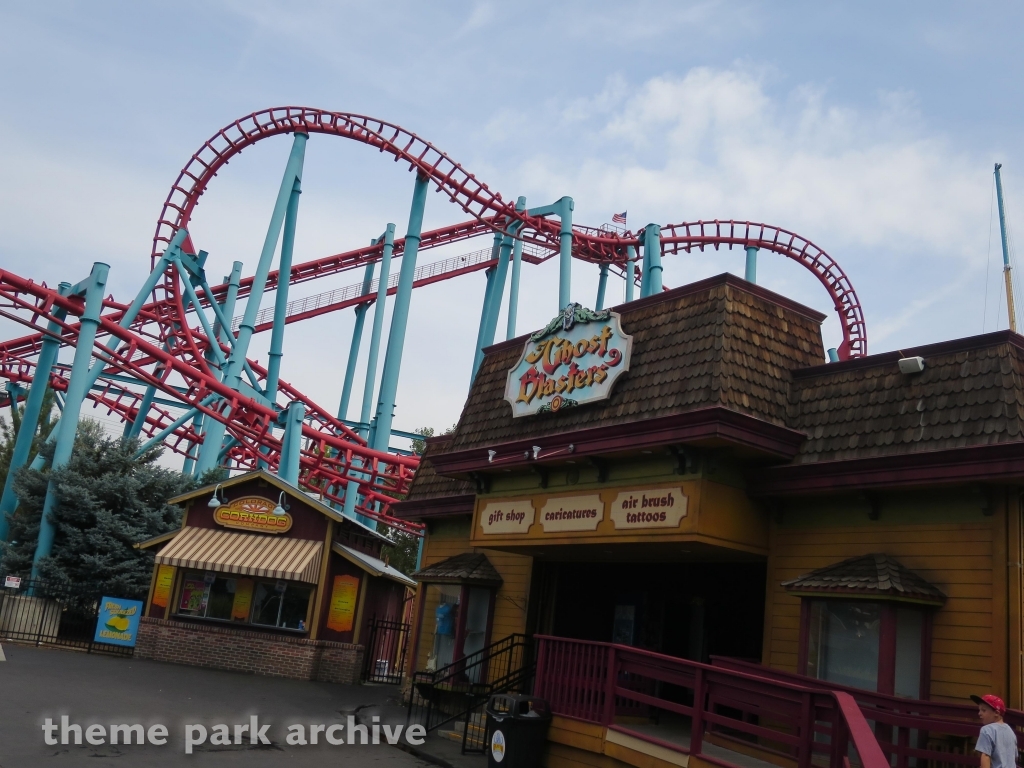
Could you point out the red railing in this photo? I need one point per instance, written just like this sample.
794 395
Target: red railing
737 711
905 728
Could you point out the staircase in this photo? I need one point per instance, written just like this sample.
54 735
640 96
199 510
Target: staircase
454 697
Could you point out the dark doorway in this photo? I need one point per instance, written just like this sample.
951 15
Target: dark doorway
690 610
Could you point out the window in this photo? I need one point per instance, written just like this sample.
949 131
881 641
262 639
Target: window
874 645
207 595
843 643
279 604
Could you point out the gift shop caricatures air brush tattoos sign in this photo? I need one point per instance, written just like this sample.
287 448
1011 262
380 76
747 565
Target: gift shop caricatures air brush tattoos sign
575 360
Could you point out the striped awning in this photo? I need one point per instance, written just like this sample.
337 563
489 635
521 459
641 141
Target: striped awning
247 554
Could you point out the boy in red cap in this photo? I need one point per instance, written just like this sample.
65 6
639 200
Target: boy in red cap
997 742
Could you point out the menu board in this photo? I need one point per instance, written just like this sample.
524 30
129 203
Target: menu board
243 600
164 581
344 596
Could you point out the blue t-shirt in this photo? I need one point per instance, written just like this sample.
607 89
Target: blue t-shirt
445 617
999 742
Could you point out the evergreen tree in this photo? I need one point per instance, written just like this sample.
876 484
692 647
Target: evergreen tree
106 500
9 432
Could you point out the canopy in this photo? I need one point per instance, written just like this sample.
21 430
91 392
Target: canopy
246 554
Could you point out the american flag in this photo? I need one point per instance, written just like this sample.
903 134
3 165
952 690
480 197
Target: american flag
619 218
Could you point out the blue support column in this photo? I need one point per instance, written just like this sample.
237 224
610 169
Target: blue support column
488 292
492 302
378 326
226 336
650 283
284 276
750 274
353 350
630 273
602 286
400 318
291 444
565 253
210 450
78 386
49 348
513 288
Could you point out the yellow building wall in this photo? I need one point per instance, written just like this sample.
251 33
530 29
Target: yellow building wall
450 537
956 547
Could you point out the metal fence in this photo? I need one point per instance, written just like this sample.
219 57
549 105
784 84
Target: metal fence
456 695
53 614
384 658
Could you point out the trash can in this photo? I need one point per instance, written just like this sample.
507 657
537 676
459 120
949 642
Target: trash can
517 728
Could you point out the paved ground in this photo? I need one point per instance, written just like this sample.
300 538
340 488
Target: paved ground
37 683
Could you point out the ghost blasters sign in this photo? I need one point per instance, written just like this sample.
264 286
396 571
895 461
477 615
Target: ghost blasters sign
575 360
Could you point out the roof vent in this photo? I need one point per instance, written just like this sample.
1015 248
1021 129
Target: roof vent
911 364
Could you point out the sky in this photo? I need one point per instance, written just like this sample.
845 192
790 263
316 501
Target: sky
869 128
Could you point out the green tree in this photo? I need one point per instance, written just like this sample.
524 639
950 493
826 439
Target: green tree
419 446
401 554
106 500
9 432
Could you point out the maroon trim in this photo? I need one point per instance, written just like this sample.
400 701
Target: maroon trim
704 424
442 506
805 636
1004 461
925 691
725 278
887 651
953 346
460 624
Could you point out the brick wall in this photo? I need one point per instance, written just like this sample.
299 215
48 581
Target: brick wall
259 653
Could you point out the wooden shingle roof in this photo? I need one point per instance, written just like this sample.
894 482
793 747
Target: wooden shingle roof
718 342
969 394
875 575
427 484
468 567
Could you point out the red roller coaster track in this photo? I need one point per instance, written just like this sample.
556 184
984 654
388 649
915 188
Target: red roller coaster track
162 350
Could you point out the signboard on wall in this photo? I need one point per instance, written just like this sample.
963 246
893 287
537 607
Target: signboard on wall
252 513
649 508
572 513
118 621
344 595
573 361
164 582
507 517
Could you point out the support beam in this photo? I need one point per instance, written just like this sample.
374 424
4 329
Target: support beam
291 444
380 306
49 348
602 286
750 274
488 293
492 299
513 288
281 296
353 349
78 386
1011 310
650 283
565 253
400 318
630 273
216 429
